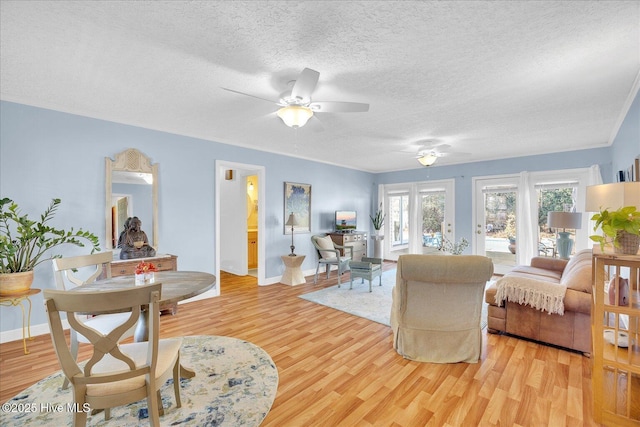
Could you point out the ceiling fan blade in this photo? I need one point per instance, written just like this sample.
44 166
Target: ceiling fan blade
338 107
247 94
305 84
315 124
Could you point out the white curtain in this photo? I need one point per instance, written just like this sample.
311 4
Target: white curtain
594 177
527 221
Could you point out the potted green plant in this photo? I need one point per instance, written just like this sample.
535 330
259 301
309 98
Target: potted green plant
620 227
24 243
378 219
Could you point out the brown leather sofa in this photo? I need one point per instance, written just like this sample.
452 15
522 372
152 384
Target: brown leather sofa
572 329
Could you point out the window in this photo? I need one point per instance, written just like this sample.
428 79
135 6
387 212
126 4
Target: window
553 197
399 213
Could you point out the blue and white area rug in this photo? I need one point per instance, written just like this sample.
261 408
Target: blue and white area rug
374 305
235 385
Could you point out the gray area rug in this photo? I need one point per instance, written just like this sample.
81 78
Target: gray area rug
374 305
235 385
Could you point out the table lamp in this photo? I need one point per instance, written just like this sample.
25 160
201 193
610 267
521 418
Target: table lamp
612 196
292 221
564 220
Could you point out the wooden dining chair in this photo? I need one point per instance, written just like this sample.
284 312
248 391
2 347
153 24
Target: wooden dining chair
75 271
116 374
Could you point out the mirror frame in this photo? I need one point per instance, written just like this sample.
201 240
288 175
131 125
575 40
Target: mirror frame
130 160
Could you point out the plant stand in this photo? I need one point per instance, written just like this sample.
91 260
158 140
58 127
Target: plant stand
377 245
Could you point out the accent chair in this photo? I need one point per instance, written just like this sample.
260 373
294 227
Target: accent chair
329 254
437 305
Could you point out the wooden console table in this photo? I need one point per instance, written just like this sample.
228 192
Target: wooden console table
18 299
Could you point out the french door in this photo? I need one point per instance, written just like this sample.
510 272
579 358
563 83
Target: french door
495 209
419 216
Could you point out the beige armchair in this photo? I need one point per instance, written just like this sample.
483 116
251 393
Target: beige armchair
436 308
116 374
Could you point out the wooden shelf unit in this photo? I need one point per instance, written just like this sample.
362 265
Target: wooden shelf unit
616 369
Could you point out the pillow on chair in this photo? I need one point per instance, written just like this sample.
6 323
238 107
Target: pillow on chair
326 243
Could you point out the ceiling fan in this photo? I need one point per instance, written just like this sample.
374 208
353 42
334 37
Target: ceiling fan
297 106
428 152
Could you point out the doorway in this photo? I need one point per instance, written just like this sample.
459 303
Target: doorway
240 188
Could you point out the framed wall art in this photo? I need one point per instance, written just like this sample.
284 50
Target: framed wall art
297 199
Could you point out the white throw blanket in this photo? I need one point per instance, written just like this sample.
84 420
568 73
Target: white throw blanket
541 295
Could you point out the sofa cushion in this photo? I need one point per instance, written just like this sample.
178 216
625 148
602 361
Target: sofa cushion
490 294
579 278
535 273
547 263
574 262
577 274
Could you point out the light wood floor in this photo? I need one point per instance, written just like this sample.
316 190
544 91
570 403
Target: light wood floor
337 369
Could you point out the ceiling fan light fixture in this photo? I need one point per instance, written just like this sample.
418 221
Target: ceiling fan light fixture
427 159
295 116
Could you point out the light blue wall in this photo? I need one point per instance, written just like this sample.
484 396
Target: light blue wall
626 145
46 154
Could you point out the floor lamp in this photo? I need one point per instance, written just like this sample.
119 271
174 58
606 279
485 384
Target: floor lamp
564 220
292 221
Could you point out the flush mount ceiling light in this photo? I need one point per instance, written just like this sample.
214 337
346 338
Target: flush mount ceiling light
427 159
295 116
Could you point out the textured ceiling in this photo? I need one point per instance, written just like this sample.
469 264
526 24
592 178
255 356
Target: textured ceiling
488 79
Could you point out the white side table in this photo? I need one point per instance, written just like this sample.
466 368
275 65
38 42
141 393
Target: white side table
292 273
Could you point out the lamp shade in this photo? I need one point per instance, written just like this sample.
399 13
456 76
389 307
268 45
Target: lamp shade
571 220
612 196
427 159
291 221
295 116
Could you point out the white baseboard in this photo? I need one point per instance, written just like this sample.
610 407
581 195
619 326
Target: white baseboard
16 334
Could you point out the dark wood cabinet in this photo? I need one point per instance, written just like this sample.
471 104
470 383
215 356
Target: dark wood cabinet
355 239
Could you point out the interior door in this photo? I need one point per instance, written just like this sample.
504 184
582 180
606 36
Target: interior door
233 236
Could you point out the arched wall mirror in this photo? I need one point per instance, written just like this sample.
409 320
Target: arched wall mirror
131 190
